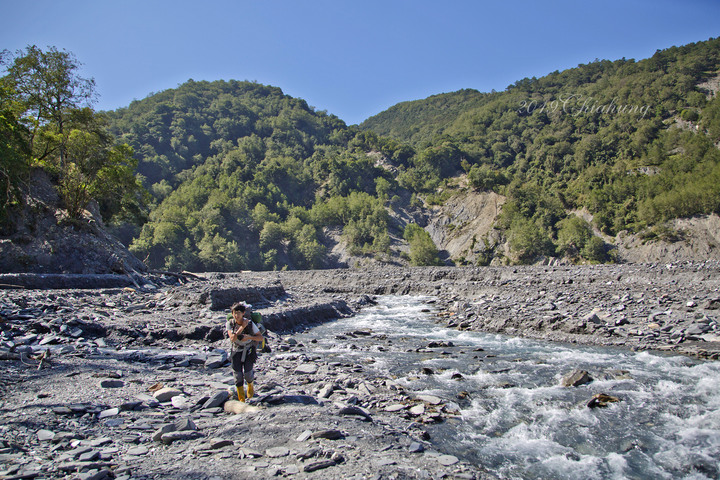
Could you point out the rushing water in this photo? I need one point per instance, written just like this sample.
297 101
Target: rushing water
515 418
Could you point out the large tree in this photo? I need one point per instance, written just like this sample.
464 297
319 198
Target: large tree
53 103
48 90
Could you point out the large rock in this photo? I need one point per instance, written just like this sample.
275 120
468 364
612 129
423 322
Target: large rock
166 393
576 378
217 399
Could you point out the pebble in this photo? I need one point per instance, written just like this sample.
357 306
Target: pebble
447 460
277 452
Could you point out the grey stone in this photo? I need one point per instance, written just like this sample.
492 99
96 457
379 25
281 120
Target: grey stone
447 460
328 434
181 402
45 435
215 361
89 456
140 450
110 412
277 452
576 378
312 467
217 399
166 393
326 391
184 424
167 428
109 383
217 443
431 399
416 447
171 437
417 409
99 442
306 369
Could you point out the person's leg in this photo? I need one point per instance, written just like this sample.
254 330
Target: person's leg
237 367
249 371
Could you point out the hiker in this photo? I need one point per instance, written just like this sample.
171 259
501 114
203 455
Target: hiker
244 337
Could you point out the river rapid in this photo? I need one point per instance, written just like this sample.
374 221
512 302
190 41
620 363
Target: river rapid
516 419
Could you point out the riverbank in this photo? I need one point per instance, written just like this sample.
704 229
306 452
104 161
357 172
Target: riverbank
665 307
137 382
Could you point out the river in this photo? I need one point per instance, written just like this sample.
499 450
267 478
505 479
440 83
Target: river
517 421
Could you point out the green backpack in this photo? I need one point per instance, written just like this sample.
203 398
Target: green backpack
257 319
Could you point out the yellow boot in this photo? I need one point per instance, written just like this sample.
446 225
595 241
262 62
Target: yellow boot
241 393
251 391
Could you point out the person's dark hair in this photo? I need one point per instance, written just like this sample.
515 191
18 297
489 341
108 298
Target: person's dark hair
238 307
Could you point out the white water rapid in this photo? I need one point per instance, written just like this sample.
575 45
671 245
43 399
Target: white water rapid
516 419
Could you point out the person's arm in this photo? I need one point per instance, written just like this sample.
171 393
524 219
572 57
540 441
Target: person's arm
257 336
231 333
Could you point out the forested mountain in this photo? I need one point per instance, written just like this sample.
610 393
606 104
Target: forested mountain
419 121
633 143
239 175
245 177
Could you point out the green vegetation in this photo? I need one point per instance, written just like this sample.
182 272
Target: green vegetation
635 143
46 122
238 175
245 177
423 251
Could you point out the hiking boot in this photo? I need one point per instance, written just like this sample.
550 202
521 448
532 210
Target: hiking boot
251 391
241 393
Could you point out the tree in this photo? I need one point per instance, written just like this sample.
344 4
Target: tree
14 153
423 251
47 91
66 137
573 234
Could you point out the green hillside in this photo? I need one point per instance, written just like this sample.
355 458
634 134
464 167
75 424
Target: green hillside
634 143
239 175
421 120
245 177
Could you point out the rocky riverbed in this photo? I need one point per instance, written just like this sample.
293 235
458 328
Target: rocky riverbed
131 379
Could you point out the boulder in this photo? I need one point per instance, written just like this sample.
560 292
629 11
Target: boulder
601 400
576 378
166 393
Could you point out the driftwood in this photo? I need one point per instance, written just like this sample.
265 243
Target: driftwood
47 281
183 275
43 281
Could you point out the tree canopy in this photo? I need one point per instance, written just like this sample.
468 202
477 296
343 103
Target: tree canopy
48 122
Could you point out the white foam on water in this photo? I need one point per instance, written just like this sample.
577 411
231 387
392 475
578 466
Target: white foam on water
520 423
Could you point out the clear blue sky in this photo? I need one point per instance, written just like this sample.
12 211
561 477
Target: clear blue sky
353 59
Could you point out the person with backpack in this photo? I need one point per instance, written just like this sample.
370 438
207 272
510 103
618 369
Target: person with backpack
244 337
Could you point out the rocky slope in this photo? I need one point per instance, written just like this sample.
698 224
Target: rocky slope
43 240
462 229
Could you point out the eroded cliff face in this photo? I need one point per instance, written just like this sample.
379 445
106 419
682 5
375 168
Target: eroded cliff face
463 230
43 240
690 239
